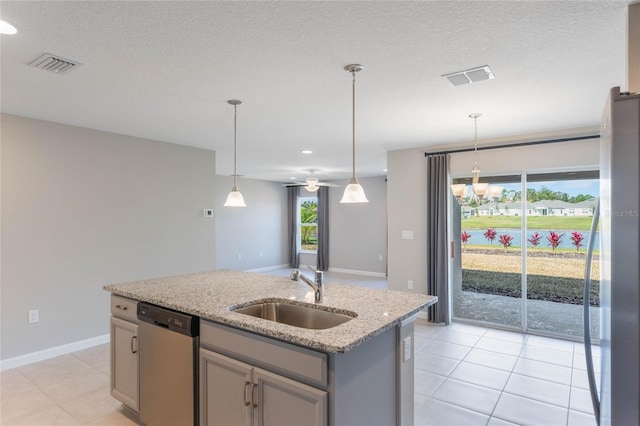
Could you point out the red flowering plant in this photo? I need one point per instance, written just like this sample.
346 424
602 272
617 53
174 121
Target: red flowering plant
576 239
534 239
505 240
554 239
490 235
465 237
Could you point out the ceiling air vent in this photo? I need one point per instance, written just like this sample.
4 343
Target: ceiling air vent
56 64
470 76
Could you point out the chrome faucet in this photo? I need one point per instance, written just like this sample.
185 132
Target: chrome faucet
318 288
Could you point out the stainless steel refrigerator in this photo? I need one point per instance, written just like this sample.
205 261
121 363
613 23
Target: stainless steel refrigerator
620 260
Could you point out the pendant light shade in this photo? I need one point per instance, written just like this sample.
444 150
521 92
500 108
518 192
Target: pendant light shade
354 193
235 198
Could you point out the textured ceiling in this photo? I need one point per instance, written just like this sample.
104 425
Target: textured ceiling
164 70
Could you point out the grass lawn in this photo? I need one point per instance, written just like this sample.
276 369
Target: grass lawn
575 223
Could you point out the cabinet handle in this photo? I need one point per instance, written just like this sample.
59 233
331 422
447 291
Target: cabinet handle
244 394
124 308
132 350
253 395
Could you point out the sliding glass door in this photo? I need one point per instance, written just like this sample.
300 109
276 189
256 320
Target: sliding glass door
531 241
488 276
559 214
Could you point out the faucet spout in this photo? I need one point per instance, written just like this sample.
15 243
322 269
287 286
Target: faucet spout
317 286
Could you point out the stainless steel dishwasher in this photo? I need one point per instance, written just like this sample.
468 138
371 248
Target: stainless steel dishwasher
168 345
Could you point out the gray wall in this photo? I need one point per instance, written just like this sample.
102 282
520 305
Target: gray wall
406 192
255 236
358 232
81 208
406 208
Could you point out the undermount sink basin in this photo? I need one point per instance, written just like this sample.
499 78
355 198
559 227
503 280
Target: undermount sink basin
296 315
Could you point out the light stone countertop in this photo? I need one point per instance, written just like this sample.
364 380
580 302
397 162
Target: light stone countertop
210 294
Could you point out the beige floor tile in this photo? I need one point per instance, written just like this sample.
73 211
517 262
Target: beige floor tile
13 382
54 370
97 356
49 417
119 417
76 386
92 407
22 404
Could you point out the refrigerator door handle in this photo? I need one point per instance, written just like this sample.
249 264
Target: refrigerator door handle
586 317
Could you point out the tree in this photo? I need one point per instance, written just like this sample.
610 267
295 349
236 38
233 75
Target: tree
465 237
308 214
505 240
576 239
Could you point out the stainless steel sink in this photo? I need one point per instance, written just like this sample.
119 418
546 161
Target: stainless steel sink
296 315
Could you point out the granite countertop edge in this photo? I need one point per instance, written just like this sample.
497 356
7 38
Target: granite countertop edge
378 310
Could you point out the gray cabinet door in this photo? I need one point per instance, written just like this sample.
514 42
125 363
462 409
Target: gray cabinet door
124 362
285 402
225 390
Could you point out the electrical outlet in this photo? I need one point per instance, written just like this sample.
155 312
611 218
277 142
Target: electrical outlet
407 349
207 212
239 256
260 254
410 285
33 316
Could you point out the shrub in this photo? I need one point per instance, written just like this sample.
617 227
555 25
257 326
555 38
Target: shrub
490 235
534 239
576 239
465 237
554 239
505 240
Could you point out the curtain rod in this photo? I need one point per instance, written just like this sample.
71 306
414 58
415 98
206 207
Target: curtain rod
513 145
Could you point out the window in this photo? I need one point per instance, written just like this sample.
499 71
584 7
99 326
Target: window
308 224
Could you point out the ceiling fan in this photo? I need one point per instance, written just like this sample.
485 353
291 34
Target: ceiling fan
311 184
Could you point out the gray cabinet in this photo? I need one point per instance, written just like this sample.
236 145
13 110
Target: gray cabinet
124 352
235 393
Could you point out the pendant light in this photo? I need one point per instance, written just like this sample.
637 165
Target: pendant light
482 192
354 193
235 199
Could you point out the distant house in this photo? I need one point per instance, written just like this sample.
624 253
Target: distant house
536 208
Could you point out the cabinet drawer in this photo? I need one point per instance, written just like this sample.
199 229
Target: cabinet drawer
124 308
283 358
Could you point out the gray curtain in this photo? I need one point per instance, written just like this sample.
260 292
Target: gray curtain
322 255
437 244
292 225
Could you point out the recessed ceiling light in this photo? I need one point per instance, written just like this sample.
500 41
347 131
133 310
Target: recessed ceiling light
7 28
307 151
385 170
292 177
472 75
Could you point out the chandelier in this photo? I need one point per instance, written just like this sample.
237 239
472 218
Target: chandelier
482 193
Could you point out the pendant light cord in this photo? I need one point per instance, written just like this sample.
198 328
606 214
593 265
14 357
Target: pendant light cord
235 121
353 125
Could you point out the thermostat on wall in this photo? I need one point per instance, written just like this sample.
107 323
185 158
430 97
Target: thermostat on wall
208 213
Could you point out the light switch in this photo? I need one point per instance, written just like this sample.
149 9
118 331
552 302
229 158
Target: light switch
407 235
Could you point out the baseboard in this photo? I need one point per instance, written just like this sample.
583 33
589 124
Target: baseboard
269 268
18 361
356 272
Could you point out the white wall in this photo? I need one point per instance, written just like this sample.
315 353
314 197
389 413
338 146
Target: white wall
252 237
81 208
406 193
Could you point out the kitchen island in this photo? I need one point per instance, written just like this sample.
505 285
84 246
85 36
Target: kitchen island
361 370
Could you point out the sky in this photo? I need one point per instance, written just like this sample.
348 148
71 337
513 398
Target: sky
571 187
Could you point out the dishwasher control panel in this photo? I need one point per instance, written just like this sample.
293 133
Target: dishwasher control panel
167 318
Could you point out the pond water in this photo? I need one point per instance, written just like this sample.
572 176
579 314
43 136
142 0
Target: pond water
478 238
